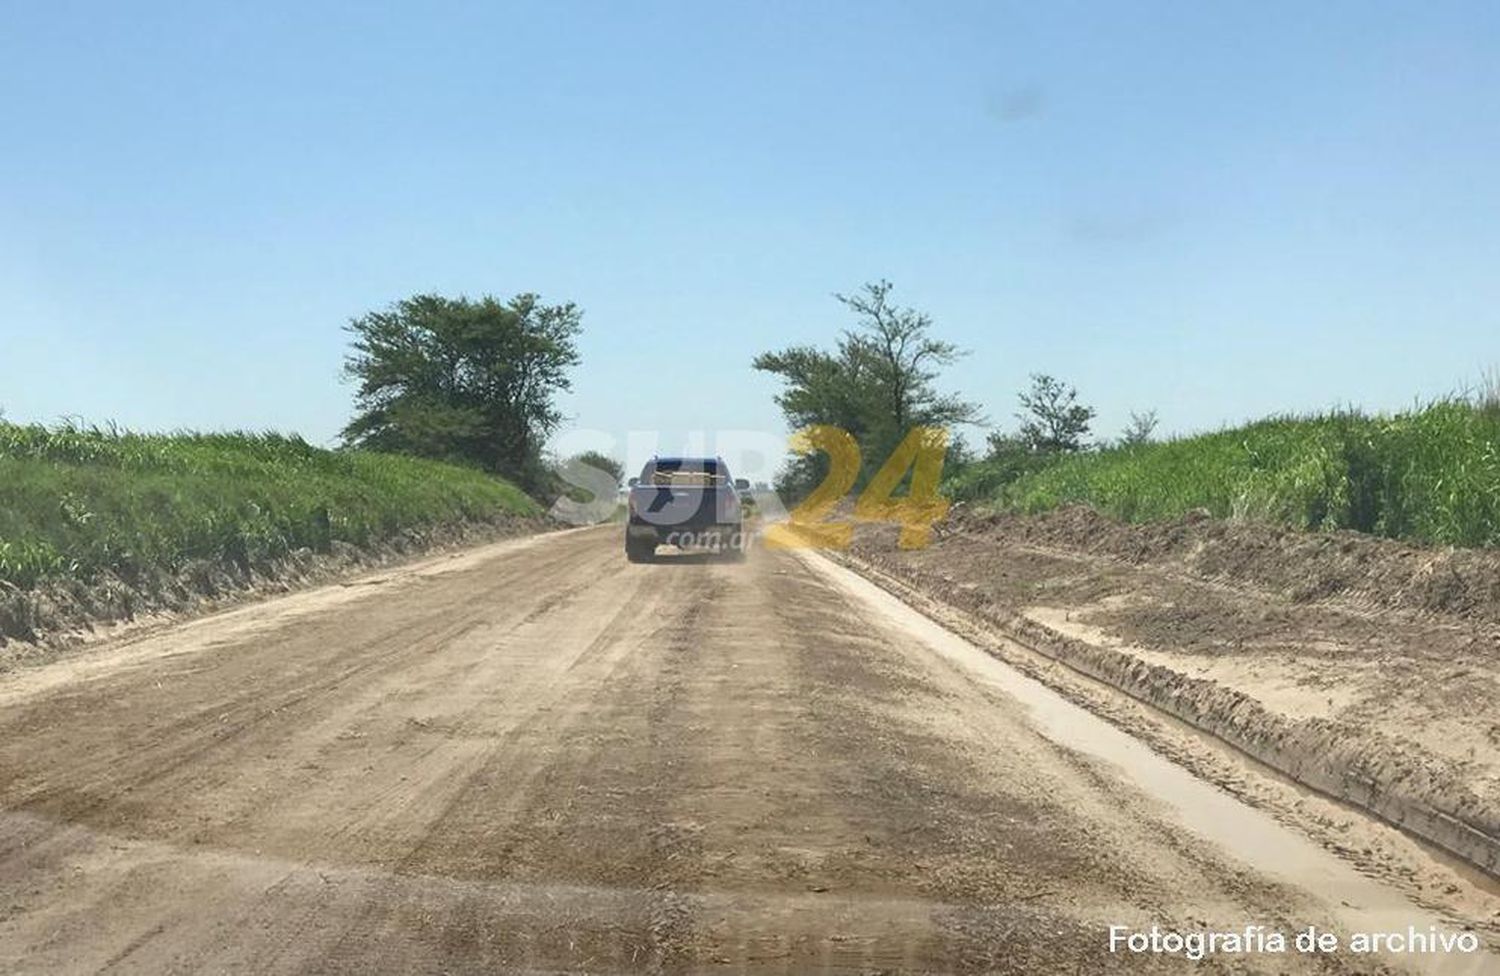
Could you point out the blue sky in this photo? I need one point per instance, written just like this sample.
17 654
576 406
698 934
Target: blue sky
1215 210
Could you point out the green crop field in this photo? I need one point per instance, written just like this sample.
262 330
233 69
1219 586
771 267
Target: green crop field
1429 475
75 502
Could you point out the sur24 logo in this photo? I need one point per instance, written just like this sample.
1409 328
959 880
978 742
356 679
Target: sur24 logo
921 452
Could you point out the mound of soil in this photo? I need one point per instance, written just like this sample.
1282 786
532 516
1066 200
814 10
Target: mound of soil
1303 566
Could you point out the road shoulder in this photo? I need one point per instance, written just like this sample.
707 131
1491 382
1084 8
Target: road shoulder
1272 754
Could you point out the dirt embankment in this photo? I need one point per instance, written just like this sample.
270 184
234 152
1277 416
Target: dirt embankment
37 622
1353 569
1365 668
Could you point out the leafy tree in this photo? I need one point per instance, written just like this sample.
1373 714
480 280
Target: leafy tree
1052 419
900 361
820 388
959 454
1011 456
602 462
461 380
1140 430
583 489
878 382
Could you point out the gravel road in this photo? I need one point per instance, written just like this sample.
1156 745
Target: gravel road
537 757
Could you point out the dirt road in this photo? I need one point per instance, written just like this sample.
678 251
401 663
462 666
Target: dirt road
537 757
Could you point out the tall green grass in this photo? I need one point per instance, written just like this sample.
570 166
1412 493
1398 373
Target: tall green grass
1429 475
76 501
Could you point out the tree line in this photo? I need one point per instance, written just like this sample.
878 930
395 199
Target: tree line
476 382
881 378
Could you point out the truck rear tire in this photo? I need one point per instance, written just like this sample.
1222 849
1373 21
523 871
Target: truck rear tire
739 544
640 550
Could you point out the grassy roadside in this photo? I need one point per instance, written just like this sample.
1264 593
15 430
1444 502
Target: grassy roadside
76 503
1430 475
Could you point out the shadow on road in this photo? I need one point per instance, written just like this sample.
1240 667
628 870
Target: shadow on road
694 557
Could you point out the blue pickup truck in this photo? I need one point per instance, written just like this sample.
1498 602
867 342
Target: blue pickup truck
687 502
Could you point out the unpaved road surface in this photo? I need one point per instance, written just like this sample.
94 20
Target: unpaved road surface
537 757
